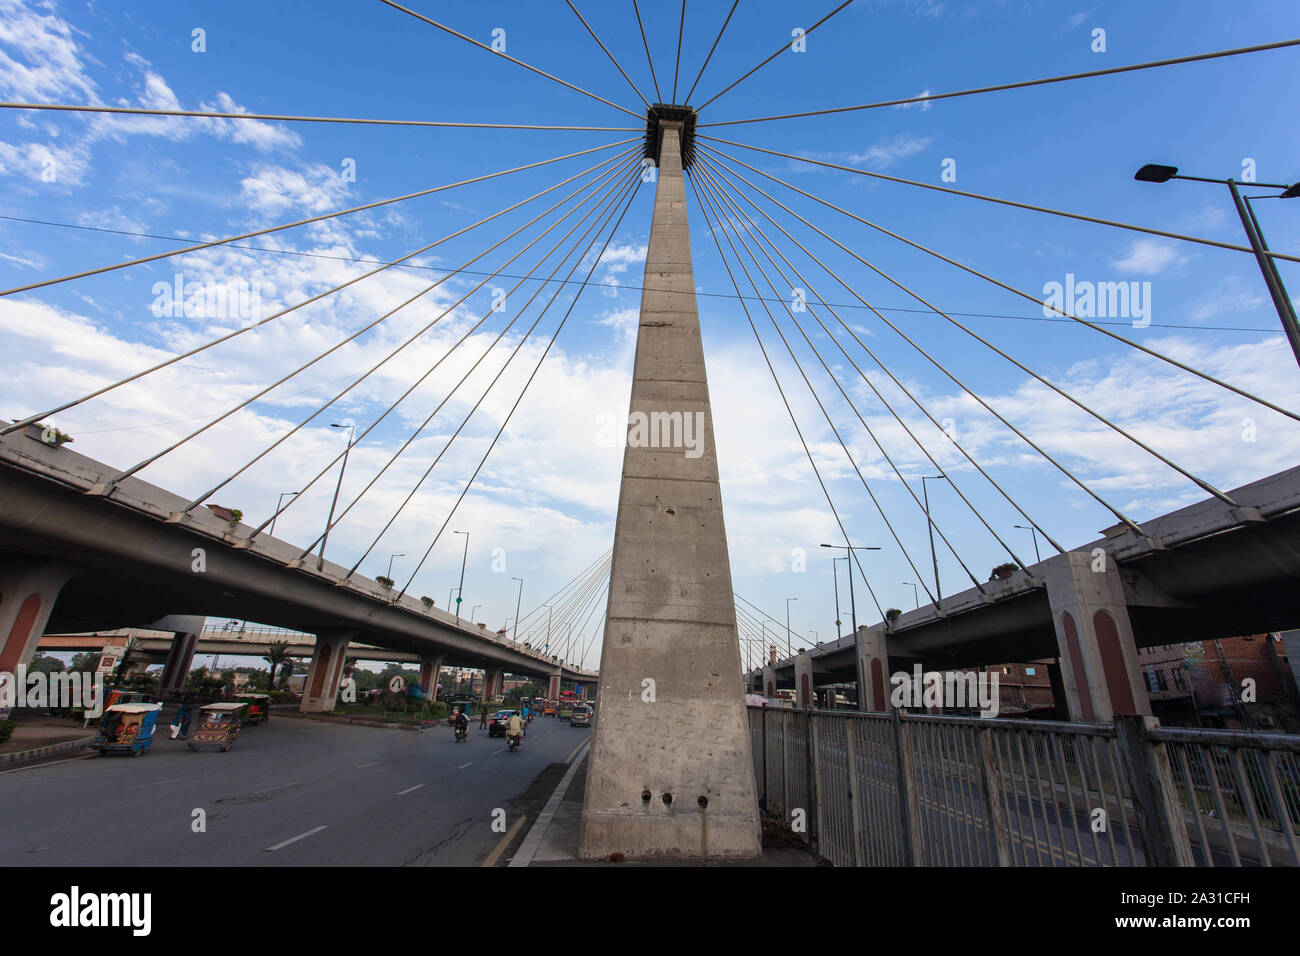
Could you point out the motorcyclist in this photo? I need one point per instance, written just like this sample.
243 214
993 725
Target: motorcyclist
460 721
514 728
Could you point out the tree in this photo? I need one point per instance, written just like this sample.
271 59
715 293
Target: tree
277 653
126 656
1003 571
45 664
892 615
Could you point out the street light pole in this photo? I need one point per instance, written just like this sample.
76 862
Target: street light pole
320 561
938 594
836 576
788 649
518 599
1281 301
1030 528
915 597
460 591
474 612
1156 173
279 501
849 549
389 575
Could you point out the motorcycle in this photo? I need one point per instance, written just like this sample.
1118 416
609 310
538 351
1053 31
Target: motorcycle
514 742
462 732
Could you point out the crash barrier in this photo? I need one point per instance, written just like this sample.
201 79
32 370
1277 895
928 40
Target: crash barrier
868 789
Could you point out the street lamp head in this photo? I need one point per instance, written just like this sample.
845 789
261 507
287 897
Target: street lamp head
1291 192
1155 173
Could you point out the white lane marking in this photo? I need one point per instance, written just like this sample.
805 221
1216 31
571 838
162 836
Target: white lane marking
362 766
409 789
464 765
281 787
156 783
284 843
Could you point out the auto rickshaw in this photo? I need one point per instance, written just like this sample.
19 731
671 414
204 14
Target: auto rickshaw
218 725
119 696
127 728
258 708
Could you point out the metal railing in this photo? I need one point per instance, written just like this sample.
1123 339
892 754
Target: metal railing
915 790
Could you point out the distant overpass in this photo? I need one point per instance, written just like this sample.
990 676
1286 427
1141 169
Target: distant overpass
1205 571
81 553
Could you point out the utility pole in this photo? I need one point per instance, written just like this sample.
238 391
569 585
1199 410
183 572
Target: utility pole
519 598
938 594
460 591
320 561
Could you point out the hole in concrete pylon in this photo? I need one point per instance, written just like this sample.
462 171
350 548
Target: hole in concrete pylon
671 511
668 799
645 796
703 801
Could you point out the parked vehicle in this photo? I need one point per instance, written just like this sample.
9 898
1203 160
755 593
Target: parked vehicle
127 728
581 716
218 725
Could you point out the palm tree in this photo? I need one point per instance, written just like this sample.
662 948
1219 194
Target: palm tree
277 652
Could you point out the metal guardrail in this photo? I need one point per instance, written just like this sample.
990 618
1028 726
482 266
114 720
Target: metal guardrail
915 790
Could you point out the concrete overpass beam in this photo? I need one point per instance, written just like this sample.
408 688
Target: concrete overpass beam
321 692
187 629
28 591
1099 662
873 669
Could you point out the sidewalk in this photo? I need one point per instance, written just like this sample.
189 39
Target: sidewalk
553 839
36 737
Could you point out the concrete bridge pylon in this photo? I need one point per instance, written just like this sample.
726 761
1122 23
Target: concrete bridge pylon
670 771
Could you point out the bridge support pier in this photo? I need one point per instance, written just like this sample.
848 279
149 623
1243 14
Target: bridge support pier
671 768
1098 656
187 630
321 692
873 669
28 591
553 687
805 694
429 668
492 680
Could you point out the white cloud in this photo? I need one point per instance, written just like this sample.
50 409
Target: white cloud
1148 257
886 152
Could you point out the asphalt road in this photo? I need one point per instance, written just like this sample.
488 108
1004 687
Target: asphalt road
289 792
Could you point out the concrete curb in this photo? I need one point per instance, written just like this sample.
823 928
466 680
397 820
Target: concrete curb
24 756
537 832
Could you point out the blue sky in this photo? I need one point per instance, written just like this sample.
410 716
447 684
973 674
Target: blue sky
547 494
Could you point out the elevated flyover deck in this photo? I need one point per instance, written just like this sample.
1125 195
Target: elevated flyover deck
133 556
